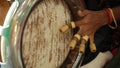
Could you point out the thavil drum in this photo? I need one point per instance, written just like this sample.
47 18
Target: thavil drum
31 36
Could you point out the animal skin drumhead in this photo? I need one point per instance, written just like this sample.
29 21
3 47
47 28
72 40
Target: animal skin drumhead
43 45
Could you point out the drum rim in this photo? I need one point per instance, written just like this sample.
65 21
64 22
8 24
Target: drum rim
23 27
22 24
8 61
7 23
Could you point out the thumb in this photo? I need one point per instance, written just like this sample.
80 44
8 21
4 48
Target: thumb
83 13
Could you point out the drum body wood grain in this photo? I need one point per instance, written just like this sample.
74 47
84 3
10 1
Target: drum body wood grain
43 45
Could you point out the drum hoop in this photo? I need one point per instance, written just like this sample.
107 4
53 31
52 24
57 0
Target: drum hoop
21 23
5 28
8 60
21 32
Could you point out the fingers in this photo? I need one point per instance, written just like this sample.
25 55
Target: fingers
82 45
83 40
75 39
71 25
83 13
68 26
73 43
80 22
77 23
80 13
92 44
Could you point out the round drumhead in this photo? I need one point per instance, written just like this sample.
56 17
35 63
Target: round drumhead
43 45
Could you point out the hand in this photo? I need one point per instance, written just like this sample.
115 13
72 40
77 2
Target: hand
91 22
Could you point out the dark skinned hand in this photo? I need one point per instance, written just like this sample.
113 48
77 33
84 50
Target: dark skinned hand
91 22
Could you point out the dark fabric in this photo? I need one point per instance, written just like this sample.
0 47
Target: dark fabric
92 5
114 3
99 4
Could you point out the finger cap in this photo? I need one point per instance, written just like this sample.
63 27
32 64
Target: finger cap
72 44
86 37
64 28
77 36
73 24
82 48
93 47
